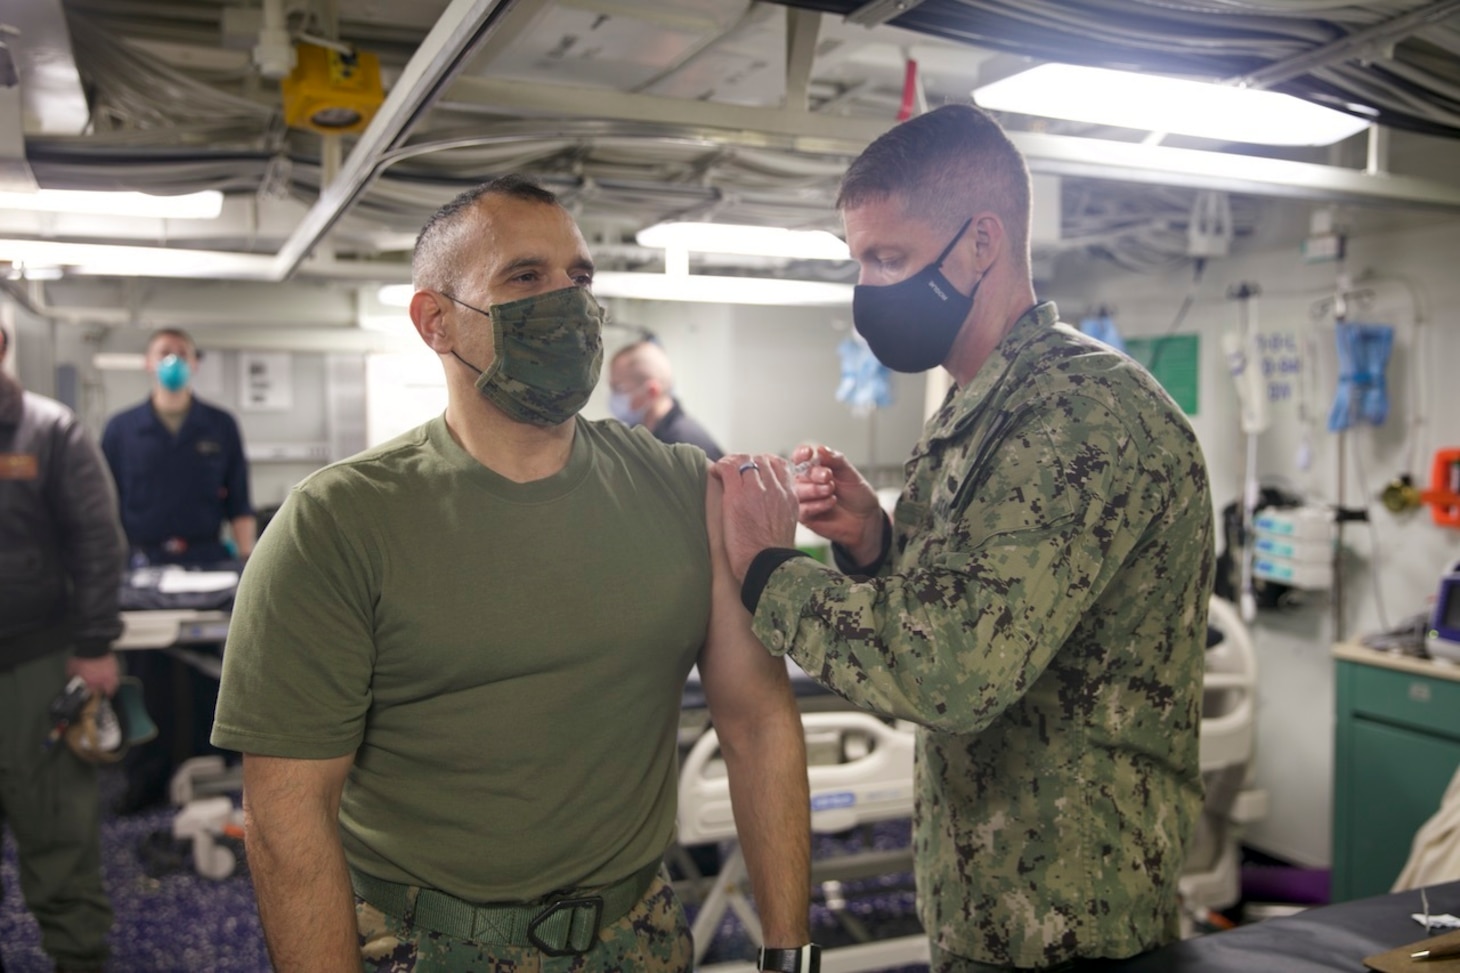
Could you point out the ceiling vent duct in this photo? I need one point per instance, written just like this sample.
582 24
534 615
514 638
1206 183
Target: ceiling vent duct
40 88
15 174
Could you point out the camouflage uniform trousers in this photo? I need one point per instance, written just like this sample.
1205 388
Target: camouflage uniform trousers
652 937
942 961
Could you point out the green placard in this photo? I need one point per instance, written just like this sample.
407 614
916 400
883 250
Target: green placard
1175 361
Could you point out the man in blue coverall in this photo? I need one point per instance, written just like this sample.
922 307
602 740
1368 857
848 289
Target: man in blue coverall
180 472
179 466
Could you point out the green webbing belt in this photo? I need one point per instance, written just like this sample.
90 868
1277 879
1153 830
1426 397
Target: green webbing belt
559 925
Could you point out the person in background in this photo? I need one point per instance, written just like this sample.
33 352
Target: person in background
456 660
181 474
61 561
642 394
640 386
1038 600
179 465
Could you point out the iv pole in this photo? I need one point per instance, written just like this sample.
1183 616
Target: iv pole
1244 362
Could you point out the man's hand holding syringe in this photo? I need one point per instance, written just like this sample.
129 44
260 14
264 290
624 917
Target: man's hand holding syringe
837 502
765 495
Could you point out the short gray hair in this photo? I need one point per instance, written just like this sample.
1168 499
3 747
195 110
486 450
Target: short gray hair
436 260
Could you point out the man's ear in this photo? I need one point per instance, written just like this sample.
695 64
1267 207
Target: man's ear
988 236
428 314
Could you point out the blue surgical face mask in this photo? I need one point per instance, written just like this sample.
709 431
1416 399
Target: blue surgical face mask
173 373
619 406
910 325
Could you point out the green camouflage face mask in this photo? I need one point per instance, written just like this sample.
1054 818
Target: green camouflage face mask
548 351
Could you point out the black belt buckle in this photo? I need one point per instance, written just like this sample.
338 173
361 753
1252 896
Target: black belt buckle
565 948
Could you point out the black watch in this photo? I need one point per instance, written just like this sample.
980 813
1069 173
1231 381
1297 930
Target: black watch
803 959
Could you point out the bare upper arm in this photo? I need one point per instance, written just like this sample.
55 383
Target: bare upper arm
738 674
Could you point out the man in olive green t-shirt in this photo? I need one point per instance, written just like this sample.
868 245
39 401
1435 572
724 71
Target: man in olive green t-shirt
456 659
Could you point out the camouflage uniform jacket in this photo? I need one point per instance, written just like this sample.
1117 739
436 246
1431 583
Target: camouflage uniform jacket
1042 615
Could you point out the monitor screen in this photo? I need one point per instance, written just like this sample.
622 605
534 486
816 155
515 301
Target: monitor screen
1447 608
1443 639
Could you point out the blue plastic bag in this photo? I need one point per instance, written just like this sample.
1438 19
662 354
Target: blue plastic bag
1102 327
864 383
1362 396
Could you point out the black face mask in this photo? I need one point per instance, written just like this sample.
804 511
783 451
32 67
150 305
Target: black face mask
910 325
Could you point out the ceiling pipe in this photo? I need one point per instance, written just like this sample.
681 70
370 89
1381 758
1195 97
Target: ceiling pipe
879 12
15 174
1049 154
274 53
622 115
802 29
1356 45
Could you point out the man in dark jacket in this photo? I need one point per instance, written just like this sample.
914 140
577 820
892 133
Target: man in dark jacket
641 393
61 560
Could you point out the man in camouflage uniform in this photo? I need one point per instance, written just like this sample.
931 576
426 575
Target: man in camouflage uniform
1037 601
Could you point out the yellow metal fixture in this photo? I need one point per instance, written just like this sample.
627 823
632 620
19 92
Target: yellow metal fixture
330 92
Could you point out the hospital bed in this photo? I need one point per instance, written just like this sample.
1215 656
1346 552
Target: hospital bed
1211 880
860 771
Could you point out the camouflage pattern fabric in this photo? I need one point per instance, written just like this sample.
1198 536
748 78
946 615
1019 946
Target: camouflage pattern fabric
653 938
548 353
1043 615
940 961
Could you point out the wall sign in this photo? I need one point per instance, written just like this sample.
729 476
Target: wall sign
265 381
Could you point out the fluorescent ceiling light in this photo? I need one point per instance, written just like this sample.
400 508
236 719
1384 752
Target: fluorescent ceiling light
699 288
205 205
704 288
123 261
1155 103
747 241
119 361
22 271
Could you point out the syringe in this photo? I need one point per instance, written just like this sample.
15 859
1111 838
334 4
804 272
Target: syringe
803 467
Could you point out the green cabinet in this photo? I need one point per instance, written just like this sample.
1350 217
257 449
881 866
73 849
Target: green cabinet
1397 744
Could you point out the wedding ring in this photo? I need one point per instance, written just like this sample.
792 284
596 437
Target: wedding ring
748 465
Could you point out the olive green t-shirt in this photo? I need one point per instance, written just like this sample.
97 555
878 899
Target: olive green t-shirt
505 660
